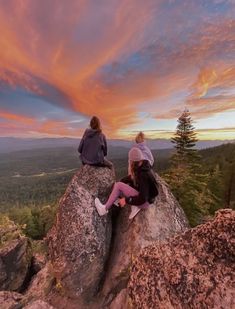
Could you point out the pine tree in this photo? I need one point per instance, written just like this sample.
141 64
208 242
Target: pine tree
185 176
185 140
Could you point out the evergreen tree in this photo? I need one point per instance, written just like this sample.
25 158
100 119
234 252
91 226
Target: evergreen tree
185 140
185 176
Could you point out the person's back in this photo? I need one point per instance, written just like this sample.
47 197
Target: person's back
93 147
146 152
140 143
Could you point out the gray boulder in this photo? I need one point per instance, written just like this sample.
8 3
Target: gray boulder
80 239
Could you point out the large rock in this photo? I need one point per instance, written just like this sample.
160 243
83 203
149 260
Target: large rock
10 300
79 240
15 256
162 220
194 270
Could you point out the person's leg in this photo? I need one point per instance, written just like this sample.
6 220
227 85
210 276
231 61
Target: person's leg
119 189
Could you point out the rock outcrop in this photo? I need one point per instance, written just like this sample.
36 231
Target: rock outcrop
15 256
80 239
162 220
193 270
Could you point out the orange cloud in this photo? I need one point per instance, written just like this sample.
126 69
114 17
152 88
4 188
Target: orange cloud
17 123
17 118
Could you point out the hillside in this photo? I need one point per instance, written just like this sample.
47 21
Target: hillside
12 144
220 161
39 177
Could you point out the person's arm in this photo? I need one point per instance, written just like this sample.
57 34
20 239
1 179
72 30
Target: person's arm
143 195
80 147
105 148
151 157
128 180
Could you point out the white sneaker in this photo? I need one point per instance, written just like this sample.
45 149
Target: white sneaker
100 207
134 211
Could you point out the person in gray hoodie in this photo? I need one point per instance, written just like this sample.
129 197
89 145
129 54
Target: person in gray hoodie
93 145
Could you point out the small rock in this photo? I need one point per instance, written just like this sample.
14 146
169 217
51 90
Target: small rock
39 304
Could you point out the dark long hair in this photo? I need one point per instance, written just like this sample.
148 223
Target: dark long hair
95 124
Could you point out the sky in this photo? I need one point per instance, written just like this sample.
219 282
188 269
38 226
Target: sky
135 64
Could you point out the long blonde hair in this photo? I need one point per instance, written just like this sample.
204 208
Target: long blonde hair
140 137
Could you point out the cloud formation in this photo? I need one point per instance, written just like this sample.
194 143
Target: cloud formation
113 58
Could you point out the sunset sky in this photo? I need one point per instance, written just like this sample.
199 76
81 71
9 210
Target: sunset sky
137 64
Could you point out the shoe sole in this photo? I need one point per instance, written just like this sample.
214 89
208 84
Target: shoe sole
133 216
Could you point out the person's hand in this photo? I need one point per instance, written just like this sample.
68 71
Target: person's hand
122 202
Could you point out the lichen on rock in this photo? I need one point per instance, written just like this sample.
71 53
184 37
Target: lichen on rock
193 270
162 220
79 240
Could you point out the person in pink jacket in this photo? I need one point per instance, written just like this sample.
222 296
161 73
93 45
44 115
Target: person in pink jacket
138 189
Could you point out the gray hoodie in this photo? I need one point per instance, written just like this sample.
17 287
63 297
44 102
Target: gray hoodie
93 147
146 152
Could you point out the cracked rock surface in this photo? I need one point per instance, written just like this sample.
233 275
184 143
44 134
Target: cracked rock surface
193 270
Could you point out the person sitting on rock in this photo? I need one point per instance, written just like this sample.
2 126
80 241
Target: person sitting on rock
138 189
93 146
146 152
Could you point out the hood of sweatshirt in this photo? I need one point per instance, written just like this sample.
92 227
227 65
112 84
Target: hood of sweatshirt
91 132
142 146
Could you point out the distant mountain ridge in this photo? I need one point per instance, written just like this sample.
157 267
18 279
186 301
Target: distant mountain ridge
11 144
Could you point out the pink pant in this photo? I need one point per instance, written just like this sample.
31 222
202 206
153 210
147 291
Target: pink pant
121 189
